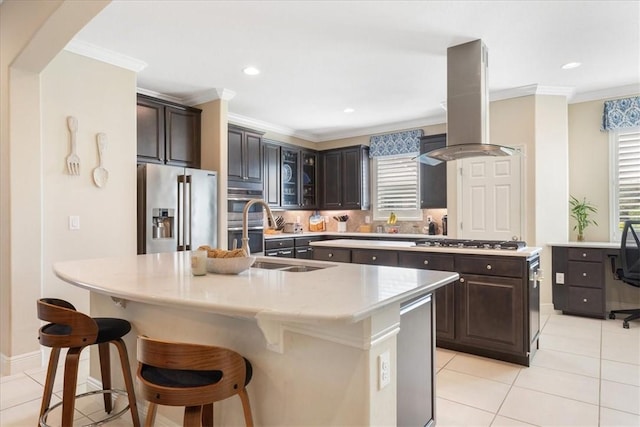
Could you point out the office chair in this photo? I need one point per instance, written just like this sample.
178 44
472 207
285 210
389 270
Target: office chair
630 262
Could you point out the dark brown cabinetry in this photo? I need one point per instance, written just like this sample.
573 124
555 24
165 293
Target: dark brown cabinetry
296 247
168 133
433 179
245 157
345 175
579 280
271 175
290 176
374 257
493 310
445 307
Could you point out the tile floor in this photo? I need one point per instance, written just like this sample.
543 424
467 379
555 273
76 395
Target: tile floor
586 373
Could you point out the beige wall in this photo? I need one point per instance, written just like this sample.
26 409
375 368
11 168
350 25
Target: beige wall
589 174
33 33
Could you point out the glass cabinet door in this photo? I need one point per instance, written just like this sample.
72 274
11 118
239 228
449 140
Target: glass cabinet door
309 180
290 178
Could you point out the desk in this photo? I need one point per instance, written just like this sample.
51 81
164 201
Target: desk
583 283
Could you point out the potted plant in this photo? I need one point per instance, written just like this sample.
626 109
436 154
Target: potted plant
580 211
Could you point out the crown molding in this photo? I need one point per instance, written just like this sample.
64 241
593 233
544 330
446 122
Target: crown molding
209 95
609 93
159 95
528 90
89 50
265 126
385 128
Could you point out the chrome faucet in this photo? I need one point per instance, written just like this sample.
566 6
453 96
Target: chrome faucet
245 215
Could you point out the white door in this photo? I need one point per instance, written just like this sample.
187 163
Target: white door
491 205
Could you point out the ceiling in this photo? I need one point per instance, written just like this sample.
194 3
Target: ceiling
384 59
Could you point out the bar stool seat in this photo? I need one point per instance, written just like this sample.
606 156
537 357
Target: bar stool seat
191 375
73 330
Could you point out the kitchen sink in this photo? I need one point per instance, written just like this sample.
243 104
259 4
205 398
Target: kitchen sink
291 268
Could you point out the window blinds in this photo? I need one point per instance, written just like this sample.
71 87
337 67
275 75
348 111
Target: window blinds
628 176
397 184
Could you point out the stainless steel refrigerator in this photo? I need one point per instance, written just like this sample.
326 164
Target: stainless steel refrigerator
177 208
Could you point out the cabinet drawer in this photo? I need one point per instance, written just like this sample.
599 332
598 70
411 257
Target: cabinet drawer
304 252
278 243
304 241
282 253
332 254
426 261
578 254
586 300
585 274
493 266
374 257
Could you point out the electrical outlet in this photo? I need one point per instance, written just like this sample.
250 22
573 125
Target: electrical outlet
559 278
384 370
367 219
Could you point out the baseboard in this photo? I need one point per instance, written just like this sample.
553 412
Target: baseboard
10 365
547 308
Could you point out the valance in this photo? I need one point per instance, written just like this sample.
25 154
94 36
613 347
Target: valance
395 143
621 113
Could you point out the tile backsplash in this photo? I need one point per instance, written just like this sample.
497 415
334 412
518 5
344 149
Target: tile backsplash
358 218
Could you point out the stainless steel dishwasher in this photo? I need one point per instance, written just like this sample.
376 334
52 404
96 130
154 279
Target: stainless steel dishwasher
416 350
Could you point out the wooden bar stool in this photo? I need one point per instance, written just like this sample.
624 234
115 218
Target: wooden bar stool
191 375
71 329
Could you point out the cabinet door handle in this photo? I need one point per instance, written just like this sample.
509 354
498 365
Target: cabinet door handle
373 258
462 280
584 274
584 300
330 255
584 254
425 262
285 252
488 266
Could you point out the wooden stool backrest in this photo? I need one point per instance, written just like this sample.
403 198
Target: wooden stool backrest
186 356
84 330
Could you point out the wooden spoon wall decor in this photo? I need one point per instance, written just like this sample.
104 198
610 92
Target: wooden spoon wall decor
101 174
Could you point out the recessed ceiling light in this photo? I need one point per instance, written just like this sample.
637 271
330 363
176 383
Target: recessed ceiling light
349 110
570 65
251 71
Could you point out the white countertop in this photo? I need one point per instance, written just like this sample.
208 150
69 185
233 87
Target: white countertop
353 234
598 245
346 292
410 246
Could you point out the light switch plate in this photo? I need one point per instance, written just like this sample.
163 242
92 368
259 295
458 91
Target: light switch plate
74 222
559 278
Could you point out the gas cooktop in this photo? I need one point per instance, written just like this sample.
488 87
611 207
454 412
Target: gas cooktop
511 245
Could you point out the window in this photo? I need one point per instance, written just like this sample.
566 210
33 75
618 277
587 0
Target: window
625 191
396 187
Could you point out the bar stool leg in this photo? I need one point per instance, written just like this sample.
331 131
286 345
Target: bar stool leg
51 378
192 415
246 407
70 381
105 371
151 414
207 415
128 380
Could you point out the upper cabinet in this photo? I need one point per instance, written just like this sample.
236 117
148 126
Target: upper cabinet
345 175
271 174
433 179
168 133
245 158
290 176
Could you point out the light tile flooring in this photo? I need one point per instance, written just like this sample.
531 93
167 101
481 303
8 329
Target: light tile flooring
586 373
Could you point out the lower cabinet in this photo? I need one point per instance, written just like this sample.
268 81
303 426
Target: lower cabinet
578 280
293 247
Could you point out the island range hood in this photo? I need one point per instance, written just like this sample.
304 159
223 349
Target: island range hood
467 107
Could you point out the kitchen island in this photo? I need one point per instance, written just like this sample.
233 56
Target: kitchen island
314 338
493 310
